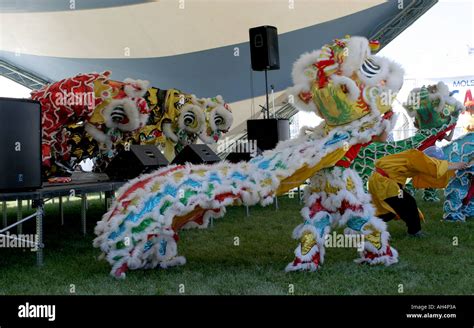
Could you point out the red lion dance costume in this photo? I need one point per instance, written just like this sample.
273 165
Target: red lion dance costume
93 101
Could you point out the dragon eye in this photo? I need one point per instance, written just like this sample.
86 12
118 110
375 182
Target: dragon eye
189 118
219 120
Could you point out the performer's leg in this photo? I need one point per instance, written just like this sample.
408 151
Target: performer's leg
339 199
371 238
309 254
358 214
387 217
407 210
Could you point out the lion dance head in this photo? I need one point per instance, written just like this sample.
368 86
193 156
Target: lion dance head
433 107
183 119
345 81
90 102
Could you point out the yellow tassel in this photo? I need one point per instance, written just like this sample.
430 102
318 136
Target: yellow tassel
422 216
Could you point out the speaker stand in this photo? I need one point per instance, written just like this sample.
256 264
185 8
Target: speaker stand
267 108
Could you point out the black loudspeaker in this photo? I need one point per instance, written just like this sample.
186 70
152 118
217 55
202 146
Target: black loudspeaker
268 132
264 51
196 154
20 139
243 155
239 157
138 159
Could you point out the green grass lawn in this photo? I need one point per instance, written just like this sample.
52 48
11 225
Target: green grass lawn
432 265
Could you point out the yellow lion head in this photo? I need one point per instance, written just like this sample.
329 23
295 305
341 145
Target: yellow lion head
343 81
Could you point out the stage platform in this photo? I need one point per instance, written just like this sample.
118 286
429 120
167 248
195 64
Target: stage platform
82 183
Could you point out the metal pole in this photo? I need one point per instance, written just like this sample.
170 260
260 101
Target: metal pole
276 203
83 214
266 94
39 233
19 214
5 220
61 209
273 100
108 198
247 211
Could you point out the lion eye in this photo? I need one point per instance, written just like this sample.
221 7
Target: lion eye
189 119
369 68
219 120
118 114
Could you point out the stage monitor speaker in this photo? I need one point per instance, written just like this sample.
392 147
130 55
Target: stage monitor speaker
196 154
242 156
268 132
20 151
138 159
264 51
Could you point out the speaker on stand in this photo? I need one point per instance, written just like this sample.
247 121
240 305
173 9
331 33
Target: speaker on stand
264 53
265 56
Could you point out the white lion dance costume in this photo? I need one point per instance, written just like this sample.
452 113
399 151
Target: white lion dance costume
348 87
344 84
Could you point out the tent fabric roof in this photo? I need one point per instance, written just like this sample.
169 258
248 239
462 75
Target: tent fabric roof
28 6
159 29
202 48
